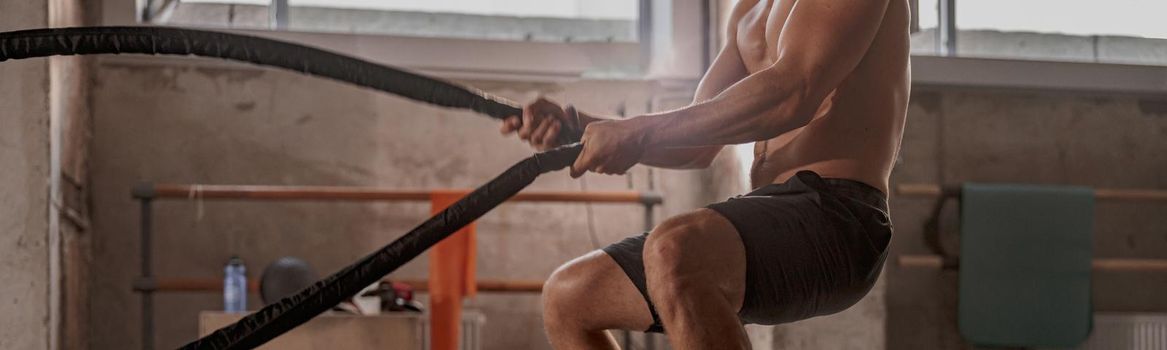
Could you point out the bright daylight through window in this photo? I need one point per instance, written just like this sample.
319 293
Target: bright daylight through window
1113 31
514 20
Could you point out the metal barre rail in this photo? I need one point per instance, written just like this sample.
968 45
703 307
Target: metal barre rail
927 190
146 285
936 262
332 193
211 285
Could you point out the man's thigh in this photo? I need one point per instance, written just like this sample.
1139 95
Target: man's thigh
698 250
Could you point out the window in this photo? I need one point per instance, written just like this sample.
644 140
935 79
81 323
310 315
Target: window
924 27
1129 18
532 39
1114 31
510 20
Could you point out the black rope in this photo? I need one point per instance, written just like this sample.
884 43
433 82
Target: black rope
244 48
261 51
275 319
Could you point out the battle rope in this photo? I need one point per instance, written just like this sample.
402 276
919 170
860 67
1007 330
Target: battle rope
275 319
260 51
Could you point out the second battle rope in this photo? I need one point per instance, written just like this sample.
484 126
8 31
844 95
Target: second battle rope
275 319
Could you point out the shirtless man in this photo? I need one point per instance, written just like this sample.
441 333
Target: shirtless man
821 86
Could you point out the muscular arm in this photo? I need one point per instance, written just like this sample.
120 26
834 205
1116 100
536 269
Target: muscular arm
821 43
726 69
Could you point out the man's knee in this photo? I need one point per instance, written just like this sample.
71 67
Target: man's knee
678 251
563 291
671 242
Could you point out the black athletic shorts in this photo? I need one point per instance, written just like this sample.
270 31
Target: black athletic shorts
814 247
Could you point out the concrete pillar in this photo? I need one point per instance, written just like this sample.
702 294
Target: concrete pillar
25 318
70 131
678 42
42 102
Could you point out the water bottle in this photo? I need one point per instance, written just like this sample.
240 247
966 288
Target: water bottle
235 286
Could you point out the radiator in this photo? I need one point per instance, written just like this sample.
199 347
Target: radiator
1127 331
472 322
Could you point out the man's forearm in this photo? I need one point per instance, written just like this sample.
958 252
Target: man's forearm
672 158
760 107
680 158
583 119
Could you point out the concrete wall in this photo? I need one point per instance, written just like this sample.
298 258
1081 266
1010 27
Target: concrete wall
185 121
955 136
24 188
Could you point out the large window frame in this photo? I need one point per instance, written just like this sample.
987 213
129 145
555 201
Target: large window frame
669 48
516 20
946 67
947 30
682 41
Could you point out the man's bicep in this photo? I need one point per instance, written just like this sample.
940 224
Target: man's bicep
824 40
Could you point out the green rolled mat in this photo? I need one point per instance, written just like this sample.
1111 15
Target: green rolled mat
1025 256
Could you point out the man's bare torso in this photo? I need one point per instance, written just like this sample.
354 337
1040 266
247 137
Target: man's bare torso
856 132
